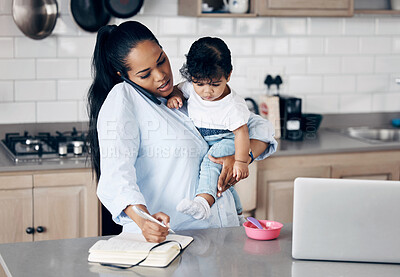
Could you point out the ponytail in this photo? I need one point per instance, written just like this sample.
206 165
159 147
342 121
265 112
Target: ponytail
113 45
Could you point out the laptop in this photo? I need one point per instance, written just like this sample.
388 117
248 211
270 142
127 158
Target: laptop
346 220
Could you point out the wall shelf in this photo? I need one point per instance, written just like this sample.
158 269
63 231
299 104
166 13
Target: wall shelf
377 12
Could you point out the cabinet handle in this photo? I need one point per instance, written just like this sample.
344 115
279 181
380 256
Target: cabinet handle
30 230
40 229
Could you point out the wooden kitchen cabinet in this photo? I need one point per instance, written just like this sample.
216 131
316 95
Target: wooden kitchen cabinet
277 173
193 8
275 8
275 187
57 204
305 7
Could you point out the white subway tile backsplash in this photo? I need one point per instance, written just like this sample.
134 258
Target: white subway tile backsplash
305 84
6 47
271 46
336 64
84 68
6 91
35 90
63 6
169 45
57 68
323 65
396 45
309 46
17 69
292 65
339 84
5 7
388 25
150 22
393 85
241 65
359 26
184 45
29 48
65 26
342 45
61 111
239 85
372 83
325 26
176 64
8 27
73 89
253 26
386 102
215 26
289 26
239 46
372 45
355 103
82 111
177 26
81 47
326 104
17 113
387 64
358 64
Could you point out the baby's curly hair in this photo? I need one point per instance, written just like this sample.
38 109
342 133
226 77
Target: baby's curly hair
208 58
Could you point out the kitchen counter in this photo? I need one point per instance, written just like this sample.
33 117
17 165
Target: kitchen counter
214 252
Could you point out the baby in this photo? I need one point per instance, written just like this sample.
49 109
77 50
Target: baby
219 114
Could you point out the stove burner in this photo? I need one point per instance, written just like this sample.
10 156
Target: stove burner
42 146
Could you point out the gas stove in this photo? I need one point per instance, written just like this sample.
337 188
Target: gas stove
44 146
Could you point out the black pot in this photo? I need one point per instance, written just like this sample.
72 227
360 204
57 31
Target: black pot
90 15
123 8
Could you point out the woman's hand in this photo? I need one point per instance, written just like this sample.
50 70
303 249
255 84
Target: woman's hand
154 232
226 179
151 231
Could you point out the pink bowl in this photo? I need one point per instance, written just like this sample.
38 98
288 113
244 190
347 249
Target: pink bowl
271 232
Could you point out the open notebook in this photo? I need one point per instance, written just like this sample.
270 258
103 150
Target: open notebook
130 249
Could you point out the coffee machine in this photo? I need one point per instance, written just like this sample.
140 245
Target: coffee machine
290 112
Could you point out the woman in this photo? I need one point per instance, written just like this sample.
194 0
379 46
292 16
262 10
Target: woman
146 154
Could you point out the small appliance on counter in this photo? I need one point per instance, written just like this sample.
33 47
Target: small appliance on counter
290 114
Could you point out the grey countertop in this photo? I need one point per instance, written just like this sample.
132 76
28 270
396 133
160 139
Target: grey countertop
214 252
325 141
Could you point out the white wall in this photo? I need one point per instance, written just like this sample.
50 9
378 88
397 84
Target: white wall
337 65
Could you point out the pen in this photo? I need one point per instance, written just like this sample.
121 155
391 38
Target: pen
145 215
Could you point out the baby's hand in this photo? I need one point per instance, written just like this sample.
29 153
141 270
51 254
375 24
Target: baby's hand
240 170
174 102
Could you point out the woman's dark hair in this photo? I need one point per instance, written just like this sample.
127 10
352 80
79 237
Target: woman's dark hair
208 58
113 45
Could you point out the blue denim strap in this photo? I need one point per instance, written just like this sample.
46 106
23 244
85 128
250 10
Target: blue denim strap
209 132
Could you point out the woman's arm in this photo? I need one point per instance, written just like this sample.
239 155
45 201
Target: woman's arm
262 144
119 141
226 178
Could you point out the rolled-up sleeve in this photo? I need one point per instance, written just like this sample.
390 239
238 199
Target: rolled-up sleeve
261 129
119 141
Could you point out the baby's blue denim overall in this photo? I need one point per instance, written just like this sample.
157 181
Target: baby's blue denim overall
222 143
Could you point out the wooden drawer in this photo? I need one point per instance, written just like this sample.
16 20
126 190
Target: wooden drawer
62 179
15 181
